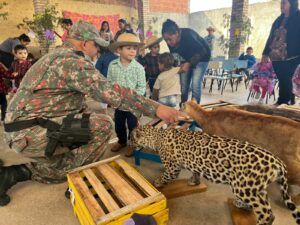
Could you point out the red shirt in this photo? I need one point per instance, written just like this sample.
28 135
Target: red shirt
21 68
4 73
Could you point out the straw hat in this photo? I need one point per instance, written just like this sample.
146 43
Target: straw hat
210 29
152 41
125 39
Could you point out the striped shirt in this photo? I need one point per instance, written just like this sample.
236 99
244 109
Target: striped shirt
131 76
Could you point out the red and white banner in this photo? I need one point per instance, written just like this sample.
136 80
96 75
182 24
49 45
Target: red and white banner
96 20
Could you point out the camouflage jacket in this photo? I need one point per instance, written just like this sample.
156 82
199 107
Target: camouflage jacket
55 86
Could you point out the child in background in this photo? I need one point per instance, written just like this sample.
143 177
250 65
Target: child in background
66 25
105 31
106 57
296 82
4 74
127 72
167 86
150 60
20 65
263 79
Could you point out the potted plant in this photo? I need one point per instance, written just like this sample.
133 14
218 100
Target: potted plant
43 24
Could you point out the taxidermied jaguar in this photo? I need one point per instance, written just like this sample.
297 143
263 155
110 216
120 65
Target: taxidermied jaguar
248 169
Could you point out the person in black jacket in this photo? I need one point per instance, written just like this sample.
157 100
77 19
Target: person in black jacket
283 48
195 54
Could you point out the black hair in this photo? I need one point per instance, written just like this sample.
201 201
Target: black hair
24 37
294 6
19 47
30 56
249 48
67 21
166 59
122 21
170 27
101 29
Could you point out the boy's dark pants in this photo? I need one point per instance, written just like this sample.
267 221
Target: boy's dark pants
121 117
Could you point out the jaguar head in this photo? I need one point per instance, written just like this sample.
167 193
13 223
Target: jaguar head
145 136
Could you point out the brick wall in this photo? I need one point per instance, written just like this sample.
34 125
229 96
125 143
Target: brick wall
172 6
129 3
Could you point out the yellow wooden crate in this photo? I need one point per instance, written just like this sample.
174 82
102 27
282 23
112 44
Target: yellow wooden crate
110 191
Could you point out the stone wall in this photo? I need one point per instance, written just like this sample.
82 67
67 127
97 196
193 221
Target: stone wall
262 16
17 10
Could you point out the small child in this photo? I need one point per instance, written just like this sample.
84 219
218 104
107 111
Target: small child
4 88
167 85
20 65
150 60
296 82
127 72
263 79
66 25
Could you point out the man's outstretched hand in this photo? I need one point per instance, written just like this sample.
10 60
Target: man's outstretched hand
169 114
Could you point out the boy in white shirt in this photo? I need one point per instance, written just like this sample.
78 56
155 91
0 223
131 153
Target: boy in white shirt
167 86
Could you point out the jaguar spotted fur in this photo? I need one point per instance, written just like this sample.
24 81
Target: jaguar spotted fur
247 168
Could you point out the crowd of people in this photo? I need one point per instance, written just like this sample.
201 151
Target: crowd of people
110 69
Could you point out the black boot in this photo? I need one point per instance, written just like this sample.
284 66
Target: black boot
9 176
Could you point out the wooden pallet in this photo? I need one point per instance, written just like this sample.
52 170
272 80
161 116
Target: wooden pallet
110 191
240 216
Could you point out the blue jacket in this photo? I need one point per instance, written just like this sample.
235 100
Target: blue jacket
104 61
251 59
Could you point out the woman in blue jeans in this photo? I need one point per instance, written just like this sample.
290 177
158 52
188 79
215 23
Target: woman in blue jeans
196 54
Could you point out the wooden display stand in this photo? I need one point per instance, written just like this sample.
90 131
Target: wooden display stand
179 188
240 216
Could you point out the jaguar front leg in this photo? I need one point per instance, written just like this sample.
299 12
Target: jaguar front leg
171 172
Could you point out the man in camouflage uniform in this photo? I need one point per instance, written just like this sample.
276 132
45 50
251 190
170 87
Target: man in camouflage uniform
55 87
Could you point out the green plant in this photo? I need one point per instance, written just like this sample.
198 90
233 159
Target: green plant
43 24
3 15
240 34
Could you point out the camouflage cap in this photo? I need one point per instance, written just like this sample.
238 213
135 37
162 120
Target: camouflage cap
85 31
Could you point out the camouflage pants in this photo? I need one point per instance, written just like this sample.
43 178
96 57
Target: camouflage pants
54 169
